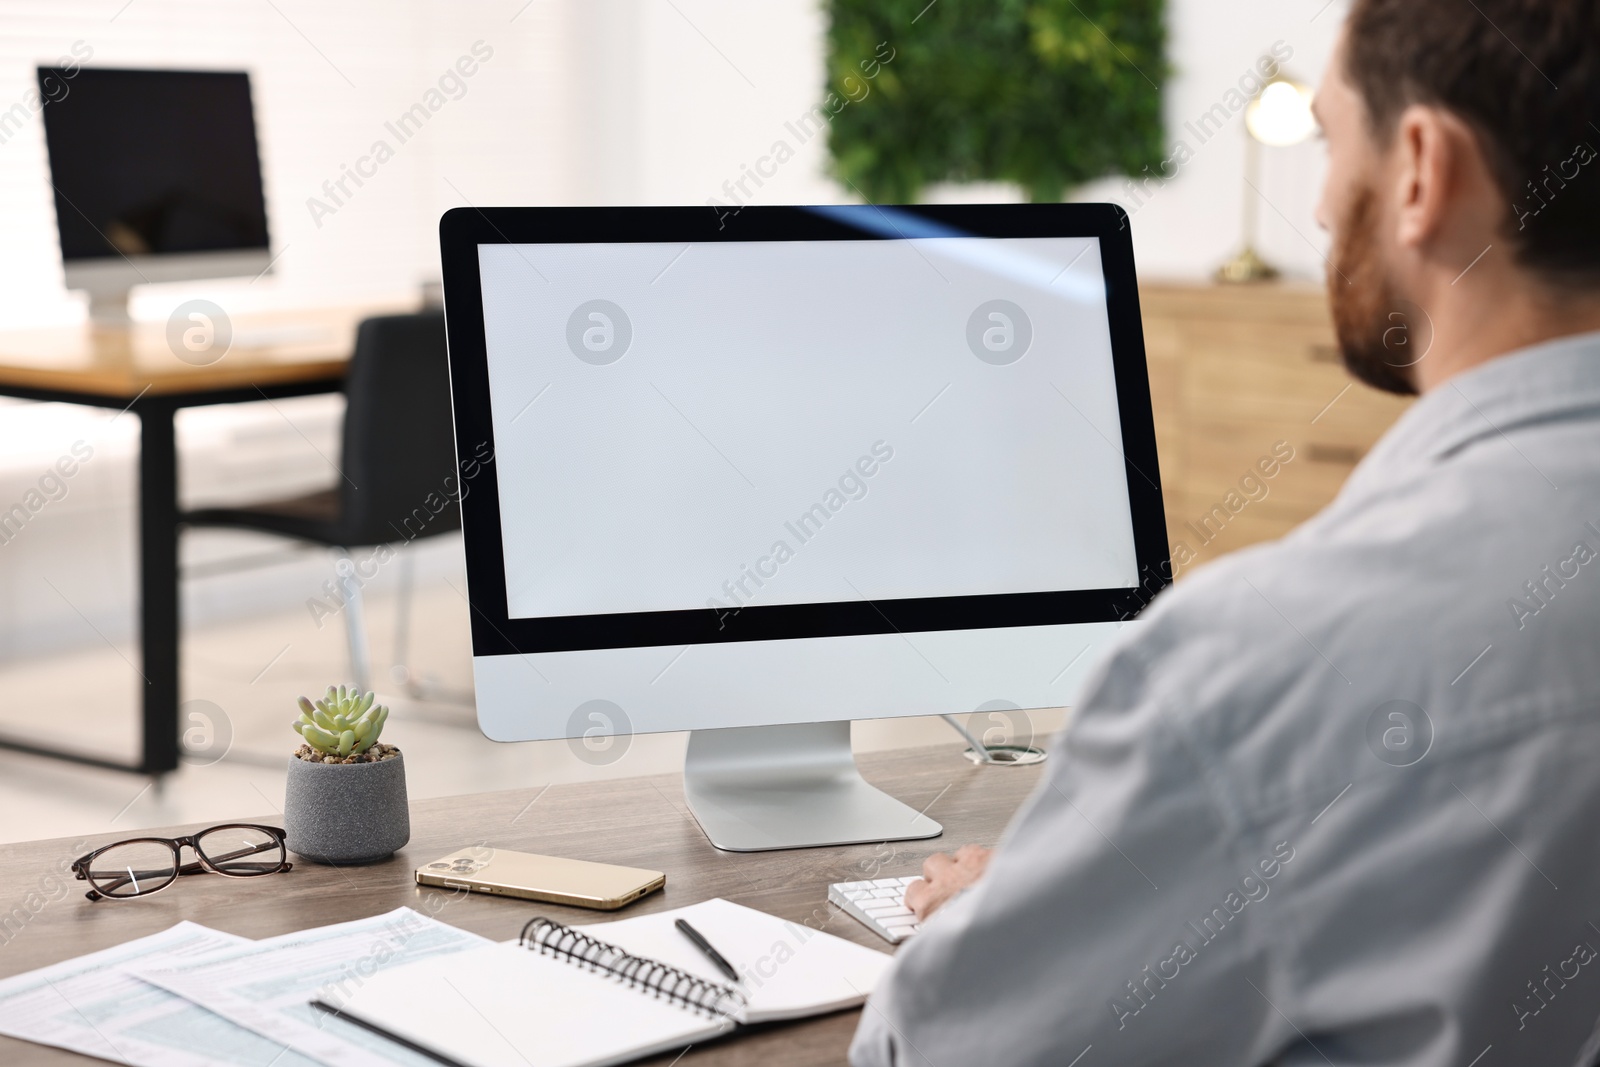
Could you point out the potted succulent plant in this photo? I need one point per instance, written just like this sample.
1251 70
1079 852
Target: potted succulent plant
346 796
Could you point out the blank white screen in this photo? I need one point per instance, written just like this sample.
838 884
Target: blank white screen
757 377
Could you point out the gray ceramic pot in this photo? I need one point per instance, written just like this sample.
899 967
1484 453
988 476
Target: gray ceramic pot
346 813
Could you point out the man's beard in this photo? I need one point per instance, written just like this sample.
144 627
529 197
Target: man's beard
1380 332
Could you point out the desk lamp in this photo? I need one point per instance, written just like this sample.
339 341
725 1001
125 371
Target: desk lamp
1278 116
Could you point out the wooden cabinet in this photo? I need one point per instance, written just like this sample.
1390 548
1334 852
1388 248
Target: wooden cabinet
1257 422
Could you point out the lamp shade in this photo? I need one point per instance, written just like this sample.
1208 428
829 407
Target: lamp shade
1281 115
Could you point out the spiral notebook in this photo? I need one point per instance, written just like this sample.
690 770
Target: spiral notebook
609 993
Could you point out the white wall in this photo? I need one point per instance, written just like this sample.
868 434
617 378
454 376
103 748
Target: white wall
1194 221
714 81
325 78
584 101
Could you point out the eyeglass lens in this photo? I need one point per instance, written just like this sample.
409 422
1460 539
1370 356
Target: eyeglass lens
241 851
133 868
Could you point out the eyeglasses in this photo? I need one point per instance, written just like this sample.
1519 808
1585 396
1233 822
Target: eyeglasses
144 865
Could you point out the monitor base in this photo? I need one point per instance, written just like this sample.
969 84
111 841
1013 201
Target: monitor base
108 308
757 788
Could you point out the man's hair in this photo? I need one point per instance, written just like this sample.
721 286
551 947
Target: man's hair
1525 75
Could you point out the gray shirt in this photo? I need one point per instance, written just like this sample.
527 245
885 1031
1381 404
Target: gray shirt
1334 799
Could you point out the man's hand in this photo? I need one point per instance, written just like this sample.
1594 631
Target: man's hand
943 876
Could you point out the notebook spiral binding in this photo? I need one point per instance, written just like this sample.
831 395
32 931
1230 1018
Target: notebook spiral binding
551 938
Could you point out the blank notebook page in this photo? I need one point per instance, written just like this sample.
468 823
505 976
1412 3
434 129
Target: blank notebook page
507 1006
788 971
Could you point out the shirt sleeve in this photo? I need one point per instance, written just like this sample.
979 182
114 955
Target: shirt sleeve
1122 913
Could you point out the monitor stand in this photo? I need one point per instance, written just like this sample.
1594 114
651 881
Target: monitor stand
756 788
108 308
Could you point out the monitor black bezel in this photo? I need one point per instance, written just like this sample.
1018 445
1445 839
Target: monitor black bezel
494 632
65 208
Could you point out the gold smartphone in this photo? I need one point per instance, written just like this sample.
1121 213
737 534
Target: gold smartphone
550 879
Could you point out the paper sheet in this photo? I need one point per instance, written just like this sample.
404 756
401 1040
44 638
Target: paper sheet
268 985
94 1006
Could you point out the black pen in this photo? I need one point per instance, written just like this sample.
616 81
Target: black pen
705 946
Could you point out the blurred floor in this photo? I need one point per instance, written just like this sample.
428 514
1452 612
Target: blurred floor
240 681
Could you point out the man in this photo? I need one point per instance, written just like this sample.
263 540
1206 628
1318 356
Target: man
1336 799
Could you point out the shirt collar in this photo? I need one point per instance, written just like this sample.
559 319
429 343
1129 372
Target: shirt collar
1544 382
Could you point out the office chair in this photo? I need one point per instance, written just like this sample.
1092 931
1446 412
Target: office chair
397 474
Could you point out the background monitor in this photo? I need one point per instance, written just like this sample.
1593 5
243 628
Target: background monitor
790 468
157 177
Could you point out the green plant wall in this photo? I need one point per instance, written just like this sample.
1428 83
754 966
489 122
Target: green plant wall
1048 94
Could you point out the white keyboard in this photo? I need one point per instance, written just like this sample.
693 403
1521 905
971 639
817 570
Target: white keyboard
879 905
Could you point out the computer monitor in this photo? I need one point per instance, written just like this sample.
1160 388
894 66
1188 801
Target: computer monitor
157 178
758 475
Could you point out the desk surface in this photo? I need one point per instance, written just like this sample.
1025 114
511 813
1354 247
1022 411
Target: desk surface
125 363
639 822
268 349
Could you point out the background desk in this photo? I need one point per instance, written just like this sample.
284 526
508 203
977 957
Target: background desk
640 822
134 370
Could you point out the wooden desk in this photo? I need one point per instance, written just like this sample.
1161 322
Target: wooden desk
137 370
635 821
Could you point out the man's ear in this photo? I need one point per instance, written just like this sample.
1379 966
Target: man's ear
1433 150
